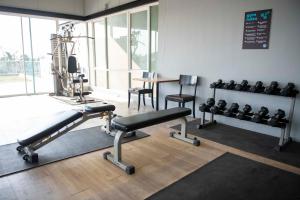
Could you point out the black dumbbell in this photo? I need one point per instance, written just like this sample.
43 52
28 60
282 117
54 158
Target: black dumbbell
217 84
246 114
258 87
219 108
243 86
289 90
261 116
278 119
230 85
206 107
232 111
272 88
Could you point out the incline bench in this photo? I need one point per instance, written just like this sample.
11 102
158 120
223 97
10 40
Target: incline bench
61 123
127 124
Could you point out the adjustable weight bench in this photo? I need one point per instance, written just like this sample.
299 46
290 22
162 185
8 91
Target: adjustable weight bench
61 123
126 124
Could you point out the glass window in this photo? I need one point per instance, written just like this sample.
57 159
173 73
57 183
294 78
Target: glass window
12 75
139 41
117 34
92 73
27 56
100 53
154 37
117 37
81 47
100 49
112 41
41 30
118 80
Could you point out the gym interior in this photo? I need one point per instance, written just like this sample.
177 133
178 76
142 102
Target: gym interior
149 99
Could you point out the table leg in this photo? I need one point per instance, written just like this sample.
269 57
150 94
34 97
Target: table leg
157 96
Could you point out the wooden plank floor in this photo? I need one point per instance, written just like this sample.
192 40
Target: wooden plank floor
159 161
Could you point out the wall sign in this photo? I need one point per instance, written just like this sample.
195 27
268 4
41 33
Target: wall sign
257 26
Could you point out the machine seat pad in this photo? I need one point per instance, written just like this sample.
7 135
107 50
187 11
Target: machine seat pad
78 80
99 107
138 121
52 125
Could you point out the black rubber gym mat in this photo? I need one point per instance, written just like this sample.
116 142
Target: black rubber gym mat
233 177
245 140
69 145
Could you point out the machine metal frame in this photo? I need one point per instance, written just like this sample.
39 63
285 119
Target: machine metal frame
63 46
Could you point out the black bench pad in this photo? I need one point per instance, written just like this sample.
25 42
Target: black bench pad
138 121
53 124
99 107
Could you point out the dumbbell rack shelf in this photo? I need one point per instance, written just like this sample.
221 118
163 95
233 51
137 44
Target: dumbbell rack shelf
272 94
284 139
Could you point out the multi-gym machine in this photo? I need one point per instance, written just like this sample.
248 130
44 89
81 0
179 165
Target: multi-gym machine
68 78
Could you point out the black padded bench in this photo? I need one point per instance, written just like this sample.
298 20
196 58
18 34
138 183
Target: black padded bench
131 123
54 123
56 126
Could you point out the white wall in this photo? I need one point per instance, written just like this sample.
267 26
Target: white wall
204 37
75 7
93 6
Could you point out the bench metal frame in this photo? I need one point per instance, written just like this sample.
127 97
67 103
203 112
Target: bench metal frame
116 158
29 150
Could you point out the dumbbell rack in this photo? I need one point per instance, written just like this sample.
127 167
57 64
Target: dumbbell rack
284 139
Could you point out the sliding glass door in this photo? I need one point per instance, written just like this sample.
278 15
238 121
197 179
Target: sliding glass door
12 73
41 30
139 45
100 69
117 48
125 45
25 66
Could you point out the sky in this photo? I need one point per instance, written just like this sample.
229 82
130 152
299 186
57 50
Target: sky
11 38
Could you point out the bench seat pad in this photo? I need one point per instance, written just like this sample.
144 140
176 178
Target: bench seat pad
138 121
52 125
99 107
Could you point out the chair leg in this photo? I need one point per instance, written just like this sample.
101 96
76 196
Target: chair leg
183 104
166 104
139 101
152 100
194 108
129 95
179 104
144 99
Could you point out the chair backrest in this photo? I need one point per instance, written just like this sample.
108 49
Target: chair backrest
72 65
148 75
188 80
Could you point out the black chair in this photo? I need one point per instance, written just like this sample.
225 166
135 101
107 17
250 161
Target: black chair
143 90
184 80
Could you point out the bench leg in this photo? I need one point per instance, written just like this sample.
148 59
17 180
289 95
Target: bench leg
116 158
183 135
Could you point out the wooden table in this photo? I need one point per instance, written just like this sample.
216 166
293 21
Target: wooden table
157 82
